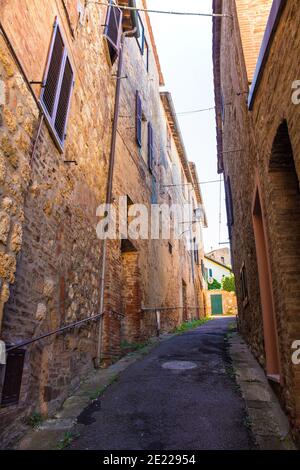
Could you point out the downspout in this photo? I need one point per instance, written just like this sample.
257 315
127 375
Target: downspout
130 33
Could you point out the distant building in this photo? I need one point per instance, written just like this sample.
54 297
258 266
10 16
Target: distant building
222 255
215 270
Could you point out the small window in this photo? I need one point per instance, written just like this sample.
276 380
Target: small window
229 205
244 285
113 31
222 260
13 377
170 248
58 83
210 273
154 196
150 148
196 252
141 38
203 269
139 118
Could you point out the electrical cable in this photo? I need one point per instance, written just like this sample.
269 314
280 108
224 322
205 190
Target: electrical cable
147 10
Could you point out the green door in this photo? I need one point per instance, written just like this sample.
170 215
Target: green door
216 304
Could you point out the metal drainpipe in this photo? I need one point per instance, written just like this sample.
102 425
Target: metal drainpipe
130 33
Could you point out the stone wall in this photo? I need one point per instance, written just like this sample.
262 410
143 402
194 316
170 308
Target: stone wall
50 255
229 301
266 162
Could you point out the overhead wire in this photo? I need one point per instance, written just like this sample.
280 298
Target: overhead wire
164 12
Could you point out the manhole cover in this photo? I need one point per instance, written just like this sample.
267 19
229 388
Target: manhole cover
179 365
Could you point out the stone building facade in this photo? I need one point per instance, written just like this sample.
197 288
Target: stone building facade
55 149
255 53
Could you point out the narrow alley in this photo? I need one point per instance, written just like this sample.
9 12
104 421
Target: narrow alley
178 397
149 227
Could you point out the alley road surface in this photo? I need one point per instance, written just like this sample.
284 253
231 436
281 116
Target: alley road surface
154 407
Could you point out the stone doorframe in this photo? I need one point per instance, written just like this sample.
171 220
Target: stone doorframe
273 363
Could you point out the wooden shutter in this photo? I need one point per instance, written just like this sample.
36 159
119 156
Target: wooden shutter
229 205
113 30
53 71
64 100
150 148
13 377
139 117
58 80
154 198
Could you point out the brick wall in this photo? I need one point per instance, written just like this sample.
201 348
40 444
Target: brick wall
267 161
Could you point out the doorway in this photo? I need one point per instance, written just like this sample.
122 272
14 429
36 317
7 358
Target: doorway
266 294
216 304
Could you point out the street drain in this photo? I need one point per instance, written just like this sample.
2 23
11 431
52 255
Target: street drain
179 365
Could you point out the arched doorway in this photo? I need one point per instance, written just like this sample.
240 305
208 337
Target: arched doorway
277 237
266 294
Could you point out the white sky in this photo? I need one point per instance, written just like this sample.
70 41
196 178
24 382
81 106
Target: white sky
185 50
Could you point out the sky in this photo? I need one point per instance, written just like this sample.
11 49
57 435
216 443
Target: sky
185 50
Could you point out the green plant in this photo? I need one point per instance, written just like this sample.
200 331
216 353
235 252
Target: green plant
190 325
215 285
133 346
228 283
96 393
69 436
34 420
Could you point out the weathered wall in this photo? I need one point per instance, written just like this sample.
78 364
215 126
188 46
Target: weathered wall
251 168
49 252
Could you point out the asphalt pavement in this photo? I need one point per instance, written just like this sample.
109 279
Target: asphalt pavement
181 396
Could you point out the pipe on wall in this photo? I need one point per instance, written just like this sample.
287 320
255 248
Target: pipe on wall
130 33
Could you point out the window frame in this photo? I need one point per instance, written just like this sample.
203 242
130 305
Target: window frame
50 120
138 119
150 148
116 46
141 43
229 205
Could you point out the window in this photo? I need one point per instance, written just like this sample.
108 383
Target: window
150 148
170 248
58 83
13 377
244 285
210 273
112 31
203 270
143 43
222 260
154 198
138 119
229 205
196 252
141 38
